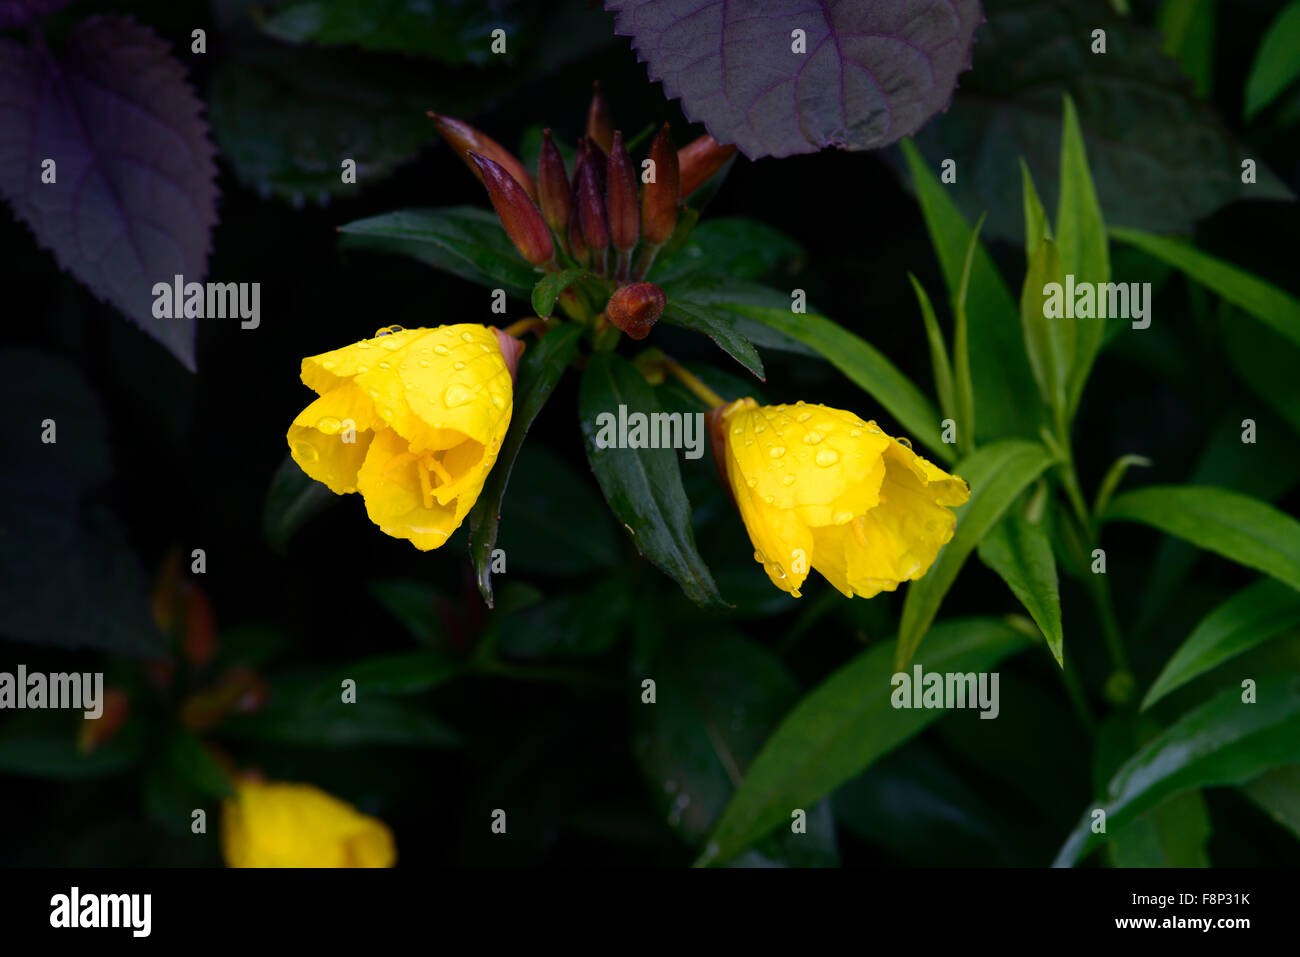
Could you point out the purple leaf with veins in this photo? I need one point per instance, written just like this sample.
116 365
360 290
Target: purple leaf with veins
14 13
134 198
873 72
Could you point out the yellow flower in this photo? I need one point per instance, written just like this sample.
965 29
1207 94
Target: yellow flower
297 825
413 420
820 488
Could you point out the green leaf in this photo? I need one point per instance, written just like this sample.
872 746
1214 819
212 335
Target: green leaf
1162 158
190 761
1188 28
1277 792
1266 302
1085 250
463 240
554 520
1266 363
1037 228
1114 475
718 327
996 474
455 32
643 486
735 247
842 726
1224 741
1276 65
540 371
415 605
1020 552
999 372
865 366
44 745
292 500
716 702
579 624
727 294
298 715
963 391
1252 616
550 286
938 351
1050 342
400 674
1238 527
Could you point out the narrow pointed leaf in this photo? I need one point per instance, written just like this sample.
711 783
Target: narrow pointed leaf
1021 553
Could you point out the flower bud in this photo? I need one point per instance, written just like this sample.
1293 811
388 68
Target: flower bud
114 708
620 197
600 125
635 308
659 199
717 429
524 224
199 640
577 248
699 160
553 192
464 139
591 209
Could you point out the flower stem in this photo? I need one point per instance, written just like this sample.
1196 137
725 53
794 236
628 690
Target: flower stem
692 382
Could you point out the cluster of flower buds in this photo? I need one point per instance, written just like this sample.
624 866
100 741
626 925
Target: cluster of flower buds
594 216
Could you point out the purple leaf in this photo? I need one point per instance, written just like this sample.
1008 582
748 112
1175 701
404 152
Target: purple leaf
873 71
134 200
14 13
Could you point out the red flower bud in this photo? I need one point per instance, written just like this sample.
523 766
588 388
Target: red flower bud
199 640
699 160
511 350
636 308
577 248
591 209
659 199
620 197
464 139
600 125
553 192
115 706
524 224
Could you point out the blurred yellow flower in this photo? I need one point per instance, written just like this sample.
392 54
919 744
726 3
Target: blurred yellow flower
820 488
297 825
412 419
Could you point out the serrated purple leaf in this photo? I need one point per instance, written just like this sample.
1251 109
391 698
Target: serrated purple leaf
135 199
15 13
873 72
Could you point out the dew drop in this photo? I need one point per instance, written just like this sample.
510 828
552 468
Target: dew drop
425 363
362 370
843 518
751 482
906 443
826 457
804 416
768 499
363 344
776 451
467 336
440 349
329 424
455 395
788 480
385 364
306 451
458 365
813 437
328 364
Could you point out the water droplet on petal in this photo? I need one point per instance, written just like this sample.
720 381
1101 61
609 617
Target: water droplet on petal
843 518
458 365
362 370
455 395
768 499
425 363
788 480
812 438
328 364
776 451
440 349
385 364
906 443
306 451
467 336
827 457
363 344
751 482
329 424
804 416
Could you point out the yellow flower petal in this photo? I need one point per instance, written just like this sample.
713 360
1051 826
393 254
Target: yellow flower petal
297 825
330 437
821 488
432 407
